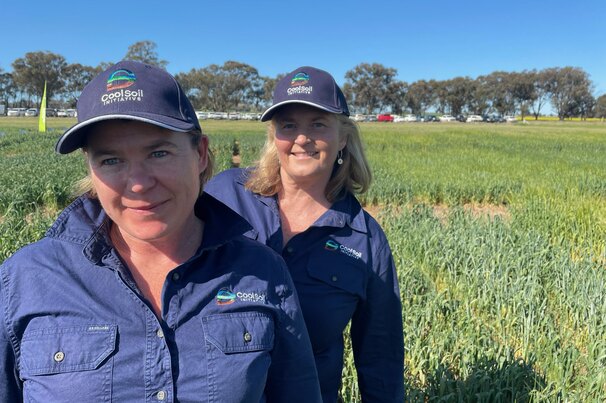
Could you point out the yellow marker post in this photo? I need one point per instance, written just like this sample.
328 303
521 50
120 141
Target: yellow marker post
42 115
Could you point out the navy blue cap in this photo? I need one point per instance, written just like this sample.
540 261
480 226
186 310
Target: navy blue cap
134 91
310 86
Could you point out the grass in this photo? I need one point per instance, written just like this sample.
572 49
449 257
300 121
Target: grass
497 232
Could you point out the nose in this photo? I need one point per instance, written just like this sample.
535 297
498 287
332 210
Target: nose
140 178
302 139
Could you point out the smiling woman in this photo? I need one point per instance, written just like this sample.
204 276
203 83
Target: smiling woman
300 200
150 261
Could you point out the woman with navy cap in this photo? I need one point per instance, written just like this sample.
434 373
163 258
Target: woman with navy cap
143 289
300 200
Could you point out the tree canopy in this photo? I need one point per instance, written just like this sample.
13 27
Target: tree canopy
369 87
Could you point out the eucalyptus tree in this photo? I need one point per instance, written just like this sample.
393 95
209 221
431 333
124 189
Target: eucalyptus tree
7 88
570 90
371 87
457 94
229 87
420 96
145 52
540 80
76 77
600 107
522 86
32 71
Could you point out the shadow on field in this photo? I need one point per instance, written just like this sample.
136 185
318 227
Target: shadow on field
489 381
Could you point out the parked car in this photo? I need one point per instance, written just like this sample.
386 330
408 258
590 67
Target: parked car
474 118
492 118
447 118
410 118
71 113
429 118
15 112
510 118
358 117
51 112
384 117
201 115
31 112
461 118
61 113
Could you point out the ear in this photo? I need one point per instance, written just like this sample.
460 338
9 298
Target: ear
203 153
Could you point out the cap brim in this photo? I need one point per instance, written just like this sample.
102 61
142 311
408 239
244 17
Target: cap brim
267 115
74 137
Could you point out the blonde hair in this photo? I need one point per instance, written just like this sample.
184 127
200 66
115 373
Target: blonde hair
353 175
85 185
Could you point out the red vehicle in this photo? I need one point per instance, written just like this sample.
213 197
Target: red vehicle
385 117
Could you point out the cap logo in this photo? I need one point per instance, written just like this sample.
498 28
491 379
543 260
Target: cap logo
120 79
116 84
299 79
297 85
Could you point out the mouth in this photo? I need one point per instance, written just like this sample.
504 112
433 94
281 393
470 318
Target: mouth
304 154
145 208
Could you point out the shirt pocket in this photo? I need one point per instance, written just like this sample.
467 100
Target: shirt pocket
238 347
68 364
336 270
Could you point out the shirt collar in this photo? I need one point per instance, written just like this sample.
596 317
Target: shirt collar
345 211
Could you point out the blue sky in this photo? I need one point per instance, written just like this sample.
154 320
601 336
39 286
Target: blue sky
431 39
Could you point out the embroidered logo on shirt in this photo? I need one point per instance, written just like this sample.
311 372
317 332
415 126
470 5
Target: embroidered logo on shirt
225 297
333 245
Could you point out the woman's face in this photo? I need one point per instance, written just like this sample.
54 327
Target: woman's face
146 178
307 140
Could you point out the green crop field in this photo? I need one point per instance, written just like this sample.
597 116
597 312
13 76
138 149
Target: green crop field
498 232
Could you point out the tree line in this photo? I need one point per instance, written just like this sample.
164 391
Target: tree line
369 88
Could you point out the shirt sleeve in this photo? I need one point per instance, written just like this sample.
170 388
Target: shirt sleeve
292 376
377 333
10 386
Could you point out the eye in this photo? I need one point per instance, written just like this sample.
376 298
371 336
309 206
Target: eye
159 154
318 125
110 161
288 126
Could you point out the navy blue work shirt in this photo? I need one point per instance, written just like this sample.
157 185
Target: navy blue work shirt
343 270
75 328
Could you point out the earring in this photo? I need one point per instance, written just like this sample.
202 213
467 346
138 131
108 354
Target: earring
340 157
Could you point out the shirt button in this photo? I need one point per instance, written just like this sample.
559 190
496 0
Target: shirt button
59 356
247 337
161 395
160 333
290 249
334 278
176 277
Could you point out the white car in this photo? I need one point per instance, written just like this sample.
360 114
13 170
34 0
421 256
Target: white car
410 118
15 112
510 118
447 118
31 112
474 118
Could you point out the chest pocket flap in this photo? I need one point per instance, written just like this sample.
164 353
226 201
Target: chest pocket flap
336 269
239 332
66 349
